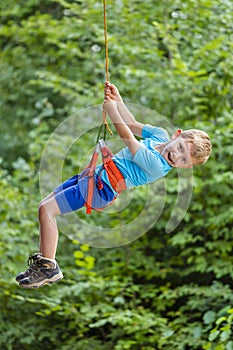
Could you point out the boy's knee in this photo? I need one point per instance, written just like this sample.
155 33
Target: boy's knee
42 211
48 209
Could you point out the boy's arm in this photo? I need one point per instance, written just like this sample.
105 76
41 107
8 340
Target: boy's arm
135 126
124 131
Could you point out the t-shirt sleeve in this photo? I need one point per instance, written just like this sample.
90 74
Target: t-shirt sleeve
156 133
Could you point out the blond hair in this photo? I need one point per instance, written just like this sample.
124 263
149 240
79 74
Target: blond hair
200 145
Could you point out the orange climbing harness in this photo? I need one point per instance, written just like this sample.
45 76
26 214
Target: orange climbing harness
115 177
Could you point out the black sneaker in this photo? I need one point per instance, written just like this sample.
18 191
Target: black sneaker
31 260
42 271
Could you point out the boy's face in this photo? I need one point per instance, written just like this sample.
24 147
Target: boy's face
177 152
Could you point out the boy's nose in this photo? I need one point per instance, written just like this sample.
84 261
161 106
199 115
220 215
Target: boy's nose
176 155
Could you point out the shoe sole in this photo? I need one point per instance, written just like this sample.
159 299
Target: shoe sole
54 279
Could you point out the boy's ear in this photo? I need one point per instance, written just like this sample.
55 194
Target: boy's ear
176 134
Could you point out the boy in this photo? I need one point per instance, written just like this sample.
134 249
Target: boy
141 162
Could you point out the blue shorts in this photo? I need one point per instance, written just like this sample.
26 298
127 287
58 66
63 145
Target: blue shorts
71 195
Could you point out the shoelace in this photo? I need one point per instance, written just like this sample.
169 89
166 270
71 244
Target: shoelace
31 259
35 268
34 264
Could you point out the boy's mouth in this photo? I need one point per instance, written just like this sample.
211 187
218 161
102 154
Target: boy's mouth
169 157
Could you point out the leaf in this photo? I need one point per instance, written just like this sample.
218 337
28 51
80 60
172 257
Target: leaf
78 254
209 317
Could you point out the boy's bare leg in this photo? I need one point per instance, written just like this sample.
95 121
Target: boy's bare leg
43 268
48 209
50 195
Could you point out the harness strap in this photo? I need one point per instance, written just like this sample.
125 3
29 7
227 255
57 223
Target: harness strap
116 178
90 172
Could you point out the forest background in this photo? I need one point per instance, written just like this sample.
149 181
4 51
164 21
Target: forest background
164 290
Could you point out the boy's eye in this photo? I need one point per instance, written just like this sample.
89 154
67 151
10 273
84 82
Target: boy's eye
184 160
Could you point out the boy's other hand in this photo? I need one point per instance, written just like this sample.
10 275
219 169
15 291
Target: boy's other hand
111 91
109 105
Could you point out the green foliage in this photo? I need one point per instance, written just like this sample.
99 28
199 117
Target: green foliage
164 291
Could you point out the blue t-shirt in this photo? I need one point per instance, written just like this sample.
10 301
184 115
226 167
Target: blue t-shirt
147 165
